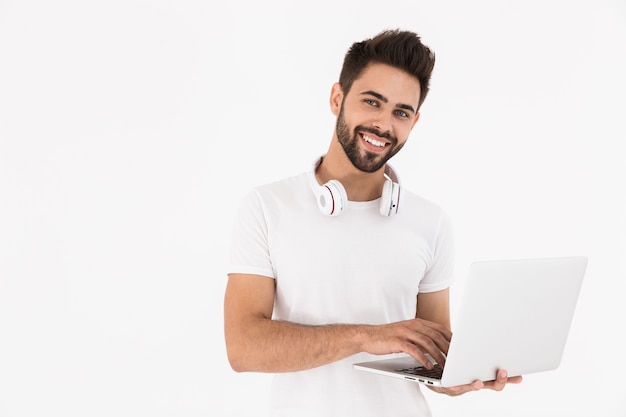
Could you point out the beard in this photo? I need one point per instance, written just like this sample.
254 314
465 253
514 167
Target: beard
370 161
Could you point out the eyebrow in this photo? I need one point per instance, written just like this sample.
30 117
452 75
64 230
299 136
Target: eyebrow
385 100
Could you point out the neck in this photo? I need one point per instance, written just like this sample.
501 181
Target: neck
359 185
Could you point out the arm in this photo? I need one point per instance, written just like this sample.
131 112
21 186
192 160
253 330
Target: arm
435 307
256 342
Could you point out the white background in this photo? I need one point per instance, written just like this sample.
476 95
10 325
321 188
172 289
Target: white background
130 129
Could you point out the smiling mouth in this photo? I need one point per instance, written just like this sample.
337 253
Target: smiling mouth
374 142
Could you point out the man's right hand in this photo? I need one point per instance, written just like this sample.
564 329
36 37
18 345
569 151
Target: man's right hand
416 337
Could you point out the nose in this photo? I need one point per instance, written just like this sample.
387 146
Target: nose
382 122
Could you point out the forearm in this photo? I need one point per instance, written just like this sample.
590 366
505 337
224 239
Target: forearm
264 345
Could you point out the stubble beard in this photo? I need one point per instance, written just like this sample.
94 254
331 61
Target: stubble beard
370 162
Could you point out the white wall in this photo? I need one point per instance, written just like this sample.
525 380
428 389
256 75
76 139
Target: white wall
129 130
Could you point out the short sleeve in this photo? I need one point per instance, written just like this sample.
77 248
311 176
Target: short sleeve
440 273
249 250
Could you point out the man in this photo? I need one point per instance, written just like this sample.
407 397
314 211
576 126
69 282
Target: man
336 265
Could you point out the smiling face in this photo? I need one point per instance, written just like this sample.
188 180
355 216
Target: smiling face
375 117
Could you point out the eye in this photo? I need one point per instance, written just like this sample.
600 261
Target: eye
371 102
402 113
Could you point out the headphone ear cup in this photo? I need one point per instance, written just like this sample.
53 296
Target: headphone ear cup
334 196
390 198
324 199
331 197
395 198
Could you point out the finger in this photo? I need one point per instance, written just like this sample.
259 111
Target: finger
436 349
502 375
420 346
477 385
418 355
499 383
442 345
462 389
427 353
439 334
425 337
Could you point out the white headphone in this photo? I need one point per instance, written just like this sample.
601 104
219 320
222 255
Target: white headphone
332 198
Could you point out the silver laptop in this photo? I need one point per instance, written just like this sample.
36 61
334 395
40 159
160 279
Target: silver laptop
514 315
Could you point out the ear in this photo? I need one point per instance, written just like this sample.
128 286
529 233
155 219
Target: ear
417 116
336 98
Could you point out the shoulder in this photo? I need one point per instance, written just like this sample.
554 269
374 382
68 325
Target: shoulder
280 193
280 190
284 184
416 204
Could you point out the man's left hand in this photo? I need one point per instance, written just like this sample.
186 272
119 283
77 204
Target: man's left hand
497 384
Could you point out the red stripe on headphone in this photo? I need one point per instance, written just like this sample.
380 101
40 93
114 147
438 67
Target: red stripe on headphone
332 197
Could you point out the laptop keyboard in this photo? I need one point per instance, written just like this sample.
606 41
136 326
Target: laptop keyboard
435 373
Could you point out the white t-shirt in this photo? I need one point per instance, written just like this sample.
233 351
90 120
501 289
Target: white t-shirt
356 268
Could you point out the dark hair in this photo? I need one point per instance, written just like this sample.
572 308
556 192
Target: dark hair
400 49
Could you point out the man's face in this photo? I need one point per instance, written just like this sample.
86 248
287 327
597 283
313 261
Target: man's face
376 116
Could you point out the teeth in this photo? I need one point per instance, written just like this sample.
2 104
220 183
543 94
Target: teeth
373 141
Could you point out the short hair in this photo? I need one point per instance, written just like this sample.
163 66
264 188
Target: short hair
400 49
